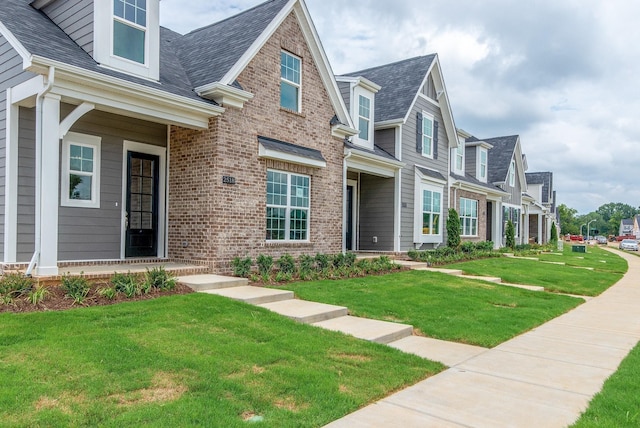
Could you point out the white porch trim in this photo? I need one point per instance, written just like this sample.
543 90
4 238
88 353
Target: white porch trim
11 181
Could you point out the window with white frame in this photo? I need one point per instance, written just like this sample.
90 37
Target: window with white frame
130 29
512 173
431 212
364 117
81 171
427 135
468 217
482 173
513 214
290 81
459 157
287 206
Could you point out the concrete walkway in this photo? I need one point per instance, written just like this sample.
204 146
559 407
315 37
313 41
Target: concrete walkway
543 378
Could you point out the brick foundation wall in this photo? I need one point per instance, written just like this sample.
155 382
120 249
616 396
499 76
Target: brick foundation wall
456 194
214 222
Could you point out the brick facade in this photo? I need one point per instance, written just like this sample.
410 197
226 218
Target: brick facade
456 194
214 222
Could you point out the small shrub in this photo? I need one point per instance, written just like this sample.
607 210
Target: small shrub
16 285
36 295
323 261
160 279
254 277
338 260
287 264
484 246
453 229
108 292
510 235
265 264
350 259
126 283
241 267
307 264
468 247
75 287
283 276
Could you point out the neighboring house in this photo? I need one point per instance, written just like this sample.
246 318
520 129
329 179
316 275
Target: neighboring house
542 208
626 226
636 226
507 166
120 139
477 201
406 199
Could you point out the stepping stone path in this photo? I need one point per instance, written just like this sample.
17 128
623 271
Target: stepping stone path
336 318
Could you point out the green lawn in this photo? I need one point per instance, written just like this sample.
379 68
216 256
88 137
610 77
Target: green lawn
441 306
617 405
555 278
190 360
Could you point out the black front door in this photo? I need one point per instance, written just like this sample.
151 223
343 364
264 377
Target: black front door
489 221
142 205
349 234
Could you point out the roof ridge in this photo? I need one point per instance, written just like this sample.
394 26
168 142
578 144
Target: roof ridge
389 64
244 12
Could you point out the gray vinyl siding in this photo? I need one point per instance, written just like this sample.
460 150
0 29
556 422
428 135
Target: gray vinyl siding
411 158
470 156
429 89
94 233
26 185
345 91
386 140
11 74
75 17
376 213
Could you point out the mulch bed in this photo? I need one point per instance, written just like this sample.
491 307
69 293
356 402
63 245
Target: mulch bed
56 300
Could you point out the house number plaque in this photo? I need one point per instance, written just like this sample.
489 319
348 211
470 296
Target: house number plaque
228 179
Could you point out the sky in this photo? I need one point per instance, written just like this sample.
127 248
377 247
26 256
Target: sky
562 74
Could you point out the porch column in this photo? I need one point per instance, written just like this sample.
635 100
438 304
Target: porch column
540 237
11 181
49 115
497 224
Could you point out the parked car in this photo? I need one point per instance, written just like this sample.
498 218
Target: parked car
629 244
601 240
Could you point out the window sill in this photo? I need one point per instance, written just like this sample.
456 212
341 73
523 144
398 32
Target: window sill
296 113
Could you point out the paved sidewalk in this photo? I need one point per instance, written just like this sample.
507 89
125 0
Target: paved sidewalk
543 378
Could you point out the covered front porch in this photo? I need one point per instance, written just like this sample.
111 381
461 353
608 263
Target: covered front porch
86 173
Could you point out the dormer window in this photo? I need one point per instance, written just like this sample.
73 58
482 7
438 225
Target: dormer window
129 29
364 117
458 157
126 36
482 165
512 174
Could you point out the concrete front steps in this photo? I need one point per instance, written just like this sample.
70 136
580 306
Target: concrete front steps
330 317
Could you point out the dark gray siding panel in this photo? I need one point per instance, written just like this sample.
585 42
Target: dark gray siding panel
376 213
75 17
91 234
345 91
386 140
470 157
11 74
26 184
411 158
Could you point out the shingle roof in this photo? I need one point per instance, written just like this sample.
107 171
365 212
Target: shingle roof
400 83
209 53
186 62
500 157
376 150
544 178
472 180
627 221
284 147
431 173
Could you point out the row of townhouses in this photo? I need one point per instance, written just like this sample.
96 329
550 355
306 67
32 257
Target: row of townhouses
121 140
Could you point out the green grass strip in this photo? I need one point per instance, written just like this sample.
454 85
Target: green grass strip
191 360
441 306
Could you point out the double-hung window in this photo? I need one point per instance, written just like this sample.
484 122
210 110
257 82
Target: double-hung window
483 165
287 206
290 81
364 117
460 157
130 29
427 135
81 171
468 217
512 173
431 212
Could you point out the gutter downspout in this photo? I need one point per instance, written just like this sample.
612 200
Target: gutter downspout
49 79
